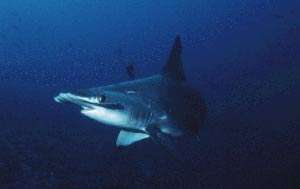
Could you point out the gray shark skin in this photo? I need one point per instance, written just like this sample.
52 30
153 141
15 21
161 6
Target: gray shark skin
152 107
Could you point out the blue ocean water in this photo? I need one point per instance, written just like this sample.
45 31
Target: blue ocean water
242 55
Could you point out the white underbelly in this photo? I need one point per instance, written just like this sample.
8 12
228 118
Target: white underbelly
108 117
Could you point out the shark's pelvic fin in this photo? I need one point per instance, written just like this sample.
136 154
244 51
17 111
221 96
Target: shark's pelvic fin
126 138
174 68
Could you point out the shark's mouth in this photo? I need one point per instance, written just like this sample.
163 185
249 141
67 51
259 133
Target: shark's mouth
87 103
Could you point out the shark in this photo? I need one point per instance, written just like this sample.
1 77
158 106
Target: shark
162 106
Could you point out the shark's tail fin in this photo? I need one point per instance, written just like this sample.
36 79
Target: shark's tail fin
174 68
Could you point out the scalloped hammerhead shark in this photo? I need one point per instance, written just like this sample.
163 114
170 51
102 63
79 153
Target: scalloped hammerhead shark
156 107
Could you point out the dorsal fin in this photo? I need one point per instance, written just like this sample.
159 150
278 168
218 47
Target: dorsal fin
174 68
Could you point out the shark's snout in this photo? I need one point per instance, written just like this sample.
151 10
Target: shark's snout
68 97
63 97
88 102
84 102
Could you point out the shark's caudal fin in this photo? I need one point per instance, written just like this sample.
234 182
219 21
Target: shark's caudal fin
174 68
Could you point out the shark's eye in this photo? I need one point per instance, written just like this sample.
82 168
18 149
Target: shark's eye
101 98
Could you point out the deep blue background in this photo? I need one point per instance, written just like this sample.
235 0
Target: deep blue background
242 55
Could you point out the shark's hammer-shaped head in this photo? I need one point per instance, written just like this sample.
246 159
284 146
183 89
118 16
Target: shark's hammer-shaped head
111 108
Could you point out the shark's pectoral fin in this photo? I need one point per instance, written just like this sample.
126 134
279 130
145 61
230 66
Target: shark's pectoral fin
126 138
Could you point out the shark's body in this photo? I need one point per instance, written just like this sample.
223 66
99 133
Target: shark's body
161 105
